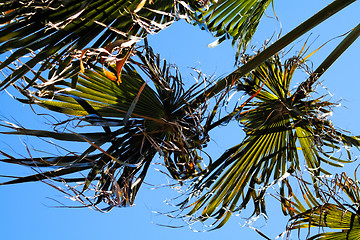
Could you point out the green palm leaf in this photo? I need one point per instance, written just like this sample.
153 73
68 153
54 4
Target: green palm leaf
276 127
330 211
333 217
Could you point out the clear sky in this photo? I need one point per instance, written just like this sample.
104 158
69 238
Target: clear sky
28 211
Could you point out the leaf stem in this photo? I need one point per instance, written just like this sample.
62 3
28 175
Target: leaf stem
305 86
312 22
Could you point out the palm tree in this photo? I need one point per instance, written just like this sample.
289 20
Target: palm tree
83 59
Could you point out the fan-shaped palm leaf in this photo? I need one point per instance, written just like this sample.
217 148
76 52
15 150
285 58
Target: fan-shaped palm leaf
276 127
147 121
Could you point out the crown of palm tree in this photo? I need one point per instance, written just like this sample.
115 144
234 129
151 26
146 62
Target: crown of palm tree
147 121
277 127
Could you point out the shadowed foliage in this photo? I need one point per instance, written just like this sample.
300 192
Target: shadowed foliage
54 31
147 122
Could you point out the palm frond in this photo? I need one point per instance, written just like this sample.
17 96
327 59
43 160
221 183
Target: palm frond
276 129
231 19
273 49
52 32
331 211
139 122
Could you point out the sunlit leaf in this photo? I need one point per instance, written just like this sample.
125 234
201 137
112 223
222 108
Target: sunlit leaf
232 19
331 211
275 125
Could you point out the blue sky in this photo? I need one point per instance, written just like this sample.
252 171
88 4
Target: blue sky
28 211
